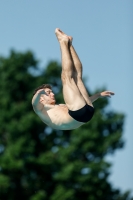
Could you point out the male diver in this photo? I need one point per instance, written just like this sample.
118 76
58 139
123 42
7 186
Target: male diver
78 108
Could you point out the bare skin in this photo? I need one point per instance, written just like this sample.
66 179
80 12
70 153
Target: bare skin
44 103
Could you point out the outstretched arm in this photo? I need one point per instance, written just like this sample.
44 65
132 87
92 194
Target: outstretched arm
101 94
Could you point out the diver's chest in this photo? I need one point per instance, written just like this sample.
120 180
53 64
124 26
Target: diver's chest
59 112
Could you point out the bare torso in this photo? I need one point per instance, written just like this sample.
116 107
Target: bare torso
59 118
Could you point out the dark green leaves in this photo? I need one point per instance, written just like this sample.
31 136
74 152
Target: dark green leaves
38 163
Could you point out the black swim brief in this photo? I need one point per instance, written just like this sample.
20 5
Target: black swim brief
83 114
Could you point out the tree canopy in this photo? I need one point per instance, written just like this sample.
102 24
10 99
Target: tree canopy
39 163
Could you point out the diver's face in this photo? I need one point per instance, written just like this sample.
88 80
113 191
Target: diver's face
50 95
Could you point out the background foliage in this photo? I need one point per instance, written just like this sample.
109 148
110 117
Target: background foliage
38 163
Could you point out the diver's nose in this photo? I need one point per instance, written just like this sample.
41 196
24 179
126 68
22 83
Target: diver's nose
52 94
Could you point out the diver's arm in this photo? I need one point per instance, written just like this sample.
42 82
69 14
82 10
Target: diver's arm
37 105
101 94
95 97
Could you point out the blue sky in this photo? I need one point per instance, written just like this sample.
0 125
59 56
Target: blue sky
102 32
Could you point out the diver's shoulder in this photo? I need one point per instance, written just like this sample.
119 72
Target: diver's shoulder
61 104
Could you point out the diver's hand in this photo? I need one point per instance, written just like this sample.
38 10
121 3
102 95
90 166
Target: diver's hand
106 94
41 91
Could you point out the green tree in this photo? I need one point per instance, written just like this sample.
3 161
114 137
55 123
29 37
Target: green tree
38 163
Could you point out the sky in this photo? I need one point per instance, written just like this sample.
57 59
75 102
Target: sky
102 36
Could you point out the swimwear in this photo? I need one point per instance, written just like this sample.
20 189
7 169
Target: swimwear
83 114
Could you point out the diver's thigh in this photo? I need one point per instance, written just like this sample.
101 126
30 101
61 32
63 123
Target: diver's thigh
72 96
83 91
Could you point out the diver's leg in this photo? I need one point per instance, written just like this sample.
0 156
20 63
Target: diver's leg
72 96
78 78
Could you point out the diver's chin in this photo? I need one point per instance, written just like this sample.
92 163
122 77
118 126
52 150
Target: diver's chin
54 101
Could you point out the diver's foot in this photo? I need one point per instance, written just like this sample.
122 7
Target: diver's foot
62 36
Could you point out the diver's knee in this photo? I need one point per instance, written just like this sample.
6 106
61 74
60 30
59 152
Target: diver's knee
66 77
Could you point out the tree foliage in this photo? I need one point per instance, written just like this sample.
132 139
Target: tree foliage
38 163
